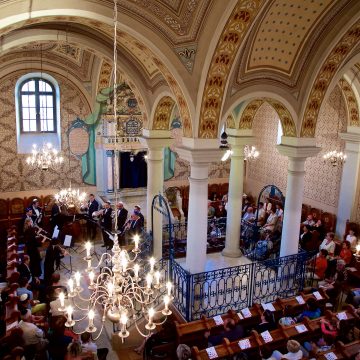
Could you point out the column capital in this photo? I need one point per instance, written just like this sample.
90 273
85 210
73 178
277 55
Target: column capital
298 152
352 140
153 139
200 156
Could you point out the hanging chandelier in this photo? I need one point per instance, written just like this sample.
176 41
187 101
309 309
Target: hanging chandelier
121 289
334 158
251 153
71 198
44 158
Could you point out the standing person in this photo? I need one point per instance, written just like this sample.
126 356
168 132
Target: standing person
93 206
106 225
28 216
122 215
137 211
55 215
37 213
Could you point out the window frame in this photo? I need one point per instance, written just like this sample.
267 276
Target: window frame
37 94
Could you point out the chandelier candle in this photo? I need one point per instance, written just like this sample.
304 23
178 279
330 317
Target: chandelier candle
71 287
150 325
91 328
62 302
70 322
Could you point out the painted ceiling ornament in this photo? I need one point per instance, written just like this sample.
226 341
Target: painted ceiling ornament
187 56
230 40
351 103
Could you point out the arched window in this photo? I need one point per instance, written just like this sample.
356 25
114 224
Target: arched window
37 106
37 100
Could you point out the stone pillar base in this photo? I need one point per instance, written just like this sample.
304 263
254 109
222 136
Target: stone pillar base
231 253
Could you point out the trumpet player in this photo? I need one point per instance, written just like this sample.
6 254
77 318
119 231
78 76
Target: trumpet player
92 207
37 212
106 225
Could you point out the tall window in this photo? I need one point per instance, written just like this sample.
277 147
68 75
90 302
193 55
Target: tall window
37 106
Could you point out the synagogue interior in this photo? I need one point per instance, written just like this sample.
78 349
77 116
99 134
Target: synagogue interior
179 179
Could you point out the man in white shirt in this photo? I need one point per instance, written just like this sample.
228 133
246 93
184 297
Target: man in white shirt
32 335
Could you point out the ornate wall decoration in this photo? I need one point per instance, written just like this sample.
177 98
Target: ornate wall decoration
322 183
221 63
70 51
351 103
104 76
247 117
287 122
230 122
324 77
187 56
163 113
16 175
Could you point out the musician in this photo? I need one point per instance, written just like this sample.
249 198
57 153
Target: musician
28 215
106 225
93 206
37 211
54 254
55 219
132 227
137 211
122 215
32 245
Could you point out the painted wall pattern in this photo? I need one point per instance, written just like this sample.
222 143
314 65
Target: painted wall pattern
322 181
15 174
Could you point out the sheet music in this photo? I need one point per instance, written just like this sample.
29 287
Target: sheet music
300 300
341 315
246 312
268 306
55 233
212 354
240 316
67 241
301 328
266 336
244 344
317 295
330 356
218 320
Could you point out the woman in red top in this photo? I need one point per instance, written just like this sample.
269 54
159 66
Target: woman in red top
346 253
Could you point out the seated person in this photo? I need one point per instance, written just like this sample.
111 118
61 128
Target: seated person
294 351
75 352
26 302
321 265
309 221
262 248
220 211
267 322
183 352
249 216
32 334
211 210
286 319
271 221
214 233
231 331
311 311
305 237
352 239
319 227
328 244
260 214
88 346
345 253
335 284
52 290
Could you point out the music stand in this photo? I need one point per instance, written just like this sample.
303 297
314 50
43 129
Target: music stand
67 245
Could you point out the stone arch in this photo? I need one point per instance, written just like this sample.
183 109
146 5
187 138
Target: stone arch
230 122
324 77
287 121
132 36
351 103
162 115
219 71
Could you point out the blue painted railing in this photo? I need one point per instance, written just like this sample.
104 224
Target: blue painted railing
214 292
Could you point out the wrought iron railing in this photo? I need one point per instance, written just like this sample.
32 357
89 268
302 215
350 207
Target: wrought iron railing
214 292
178 232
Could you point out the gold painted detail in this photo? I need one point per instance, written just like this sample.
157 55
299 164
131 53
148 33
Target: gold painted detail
221 63
163 113
247 117
324 77
104 76
230 122
351 103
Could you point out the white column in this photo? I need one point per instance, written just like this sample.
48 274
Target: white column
197 218
117 168
294 193
235 195
200 156
101 172
110 170
156 141
349 181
